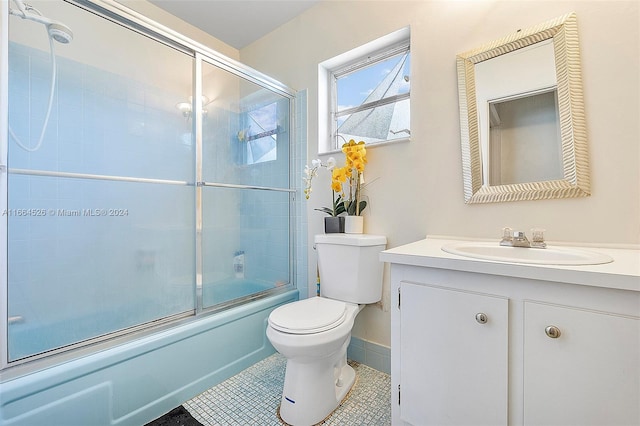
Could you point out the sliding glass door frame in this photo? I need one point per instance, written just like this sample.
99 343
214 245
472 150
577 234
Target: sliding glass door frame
123 16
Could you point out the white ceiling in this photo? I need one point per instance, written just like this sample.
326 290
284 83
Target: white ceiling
236 22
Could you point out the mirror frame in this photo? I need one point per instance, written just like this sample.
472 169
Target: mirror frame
573 135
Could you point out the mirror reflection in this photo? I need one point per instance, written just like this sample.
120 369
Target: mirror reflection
524 140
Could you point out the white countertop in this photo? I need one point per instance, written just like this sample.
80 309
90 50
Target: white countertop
623 273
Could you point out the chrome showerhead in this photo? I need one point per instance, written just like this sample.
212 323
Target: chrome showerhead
57 30
60 32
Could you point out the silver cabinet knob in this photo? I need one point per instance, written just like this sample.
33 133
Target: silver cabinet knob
481 318
552 331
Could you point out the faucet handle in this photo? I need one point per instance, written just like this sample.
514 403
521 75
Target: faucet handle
537 238
537 234
507 236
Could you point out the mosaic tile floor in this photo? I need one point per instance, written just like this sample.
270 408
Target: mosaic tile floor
252 398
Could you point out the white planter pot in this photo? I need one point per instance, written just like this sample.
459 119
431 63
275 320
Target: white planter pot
353 224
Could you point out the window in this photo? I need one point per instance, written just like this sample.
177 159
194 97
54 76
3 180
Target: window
367 93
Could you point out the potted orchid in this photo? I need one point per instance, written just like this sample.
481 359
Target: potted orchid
346 188
333 223
351 176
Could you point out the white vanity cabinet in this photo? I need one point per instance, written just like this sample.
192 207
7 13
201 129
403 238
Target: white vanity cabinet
475 342
454 343
581 367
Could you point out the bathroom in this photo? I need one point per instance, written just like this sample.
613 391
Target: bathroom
417 186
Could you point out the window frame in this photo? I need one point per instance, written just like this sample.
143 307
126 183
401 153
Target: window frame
349 62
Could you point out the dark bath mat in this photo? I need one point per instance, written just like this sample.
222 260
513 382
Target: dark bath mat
177 417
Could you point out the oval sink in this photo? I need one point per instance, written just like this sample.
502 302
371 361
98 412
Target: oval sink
546 256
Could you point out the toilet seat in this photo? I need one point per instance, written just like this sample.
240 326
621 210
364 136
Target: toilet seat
308 316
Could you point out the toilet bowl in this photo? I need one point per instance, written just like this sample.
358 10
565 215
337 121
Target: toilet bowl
313 334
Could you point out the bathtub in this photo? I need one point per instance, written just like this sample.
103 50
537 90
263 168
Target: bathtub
137 381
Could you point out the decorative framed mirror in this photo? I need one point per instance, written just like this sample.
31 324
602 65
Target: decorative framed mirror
522 123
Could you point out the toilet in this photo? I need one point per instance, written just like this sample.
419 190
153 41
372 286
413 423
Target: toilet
313 334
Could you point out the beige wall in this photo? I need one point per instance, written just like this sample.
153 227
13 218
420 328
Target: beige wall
418 190
176 24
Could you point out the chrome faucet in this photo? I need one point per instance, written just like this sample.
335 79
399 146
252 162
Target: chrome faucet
519 239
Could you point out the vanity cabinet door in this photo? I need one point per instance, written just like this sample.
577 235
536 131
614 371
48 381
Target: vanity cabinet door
454 357
587 374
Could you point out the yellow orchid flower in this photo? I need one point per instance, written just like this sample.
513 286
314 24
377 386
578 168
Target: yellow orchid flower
355 161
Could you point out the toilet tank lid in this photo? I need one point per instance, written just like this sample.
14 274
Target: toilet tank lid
351 239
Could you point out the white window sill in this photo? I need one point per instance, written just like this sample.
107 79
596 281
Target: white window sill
369 146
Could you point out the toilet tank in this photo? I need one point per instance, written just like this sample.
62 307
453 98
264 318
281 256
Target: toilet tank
349 267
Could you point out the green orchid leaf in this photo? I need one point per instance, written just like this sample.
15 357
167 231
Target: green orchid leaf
350 207
326 210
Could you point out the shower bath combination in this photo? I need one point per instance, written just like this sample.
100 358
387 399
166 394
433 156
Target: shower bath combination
57 31
94 301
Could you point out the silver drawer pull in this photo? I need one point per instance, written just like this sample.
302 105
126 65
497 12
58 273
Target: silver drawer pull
481 318
552 331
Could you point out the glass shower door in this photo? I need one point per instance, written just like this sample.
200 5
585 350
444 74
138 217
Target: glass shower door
246 242
101 229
